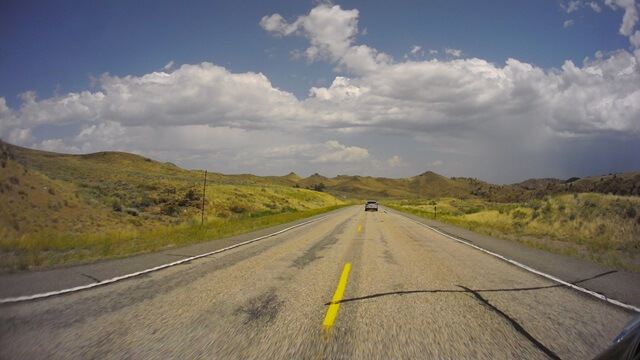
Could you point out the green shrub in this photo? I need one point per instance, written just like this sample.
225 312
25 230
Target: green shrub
116 205
238 209
473 210
131 211
170 209
191 195
518 215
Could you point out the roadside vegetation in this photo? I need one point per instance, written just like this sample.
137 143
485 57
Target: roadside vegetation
58 209
66 209
36 250
600 228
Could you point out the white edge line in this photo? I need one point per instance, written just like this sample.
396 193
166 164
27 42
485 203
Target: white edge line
530 269
156 268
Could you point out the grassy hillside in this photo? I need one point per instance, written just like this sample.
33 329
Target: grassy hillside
615 184
596 227
57 208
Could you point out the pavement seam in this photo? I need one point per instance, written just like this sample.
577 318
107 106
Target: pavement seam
18 299
528 268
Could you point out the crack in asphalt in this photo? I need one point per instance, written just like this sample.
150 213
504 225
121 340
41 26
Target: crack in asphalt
484 302
436 291
91 277
513 323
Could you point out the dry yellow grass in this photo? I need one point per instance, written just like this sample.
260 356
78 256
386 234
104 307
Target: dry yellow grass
600 228
61 209
34 251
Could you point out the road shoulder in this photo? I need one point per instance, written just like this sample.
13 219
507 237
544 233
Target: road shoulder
26 283
613 283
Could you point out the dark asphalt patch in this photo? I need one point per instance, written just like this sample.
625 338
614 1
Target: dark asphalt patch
388 257
263 308
311 254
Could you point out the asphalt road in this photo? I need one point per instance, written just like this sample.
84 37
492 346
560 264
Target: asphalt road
410 293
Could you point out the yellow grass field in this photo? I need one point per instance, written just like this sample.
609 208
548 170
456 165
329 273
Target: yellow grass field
65 209
600 228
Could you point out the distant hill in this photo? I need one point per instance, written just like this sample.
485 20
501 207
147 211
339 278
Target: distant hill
534 184
433 185
616 184
425 185
315 179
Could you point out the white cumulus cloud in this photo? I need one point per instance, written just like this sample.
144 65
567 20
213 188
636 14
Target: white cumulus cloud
331 32
635 39
453 52
168 66
329 152
396 161
572 6
630 17
457 108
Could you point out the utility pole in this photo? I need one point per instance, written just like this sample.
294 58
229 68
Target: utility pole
435 211
204 193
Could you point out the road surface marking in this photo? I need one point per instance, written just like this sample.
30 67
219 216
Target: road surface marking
359 228
156 268
530 269
337 297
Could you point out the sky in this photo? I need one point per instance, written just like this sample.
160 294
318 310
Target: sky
497 90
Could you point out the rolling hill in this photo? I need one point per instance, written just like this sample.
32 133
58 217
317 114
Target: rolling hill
432 185
60 208
75 193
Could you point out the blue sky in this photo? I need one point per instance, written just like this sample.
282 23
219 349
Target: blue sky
396 85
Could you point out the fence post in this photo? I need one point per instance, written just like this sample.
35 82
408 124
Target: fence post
204 194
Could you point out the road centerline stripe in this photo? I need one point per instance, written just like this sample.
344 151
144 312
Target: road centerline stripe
332 312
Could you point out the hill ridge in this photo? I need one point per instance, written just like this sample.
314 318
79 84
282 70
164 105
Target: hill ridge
426 184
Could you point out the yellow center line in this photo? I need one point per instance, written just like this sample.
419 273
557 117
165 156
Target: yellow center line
359 228
337 297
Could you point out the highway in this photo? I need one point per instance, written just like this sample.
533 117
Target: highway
409 293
